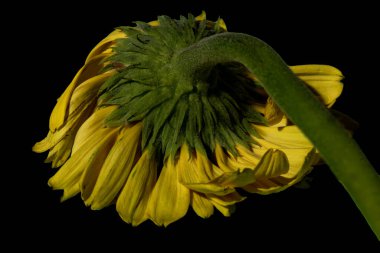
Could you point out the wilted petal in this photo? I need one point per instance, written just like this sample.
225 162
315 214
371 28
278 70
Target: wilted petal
116 167
68 129
223 161
90 126
209 187
105 44
89 71
298 158
59 154
197 173
273 114
273 163
195 167
324 80
201 205
170 199
286 137
87 91
81 106
226 204
294 175
71 172
133 199
225 183
70 191
95 163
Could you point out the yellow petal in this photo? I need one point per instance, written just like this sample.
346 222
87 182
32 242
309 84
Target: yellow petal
197 172
196 167
59 113
106 43
82 104
91 125
282 182
272 113
295 150
324 80
72 170
315 69
69 129
225 204
237 178
297 159
263 186
258 107
227 211
246 157
286 137
154 23
116 168
70 191
223 160
87 91
59 154
229 199
94 165
201 205
170 199
133 199
220 22
208 188
234 179
328 91
61 110
273 163
201 17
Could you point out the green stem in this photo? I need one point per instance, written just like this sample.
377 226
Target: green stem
337 148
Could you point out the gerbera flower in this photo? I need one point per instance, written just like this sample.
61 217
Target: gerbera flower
131 131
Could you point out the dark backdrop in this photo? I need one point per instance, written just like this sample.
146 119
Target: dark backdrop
52 41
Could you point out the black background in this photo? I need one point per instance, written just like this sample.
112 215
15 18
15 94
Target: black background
50 42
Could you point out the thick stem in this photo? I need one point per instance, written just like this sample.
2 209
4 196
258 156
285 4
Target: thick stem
337 148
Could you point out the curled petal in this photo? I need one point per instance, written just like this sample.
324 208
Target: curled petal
105 44
273 163
226 204
225 183
324 80
284 181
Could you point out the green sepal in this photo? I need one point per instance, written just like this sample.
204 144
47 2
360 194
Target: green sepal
138 107
201 111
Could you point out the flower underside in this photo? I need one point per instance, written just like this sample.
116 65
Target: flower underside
175 110
132 130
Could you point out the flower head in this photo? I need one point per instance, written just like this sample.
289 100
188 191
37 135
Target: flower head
131 130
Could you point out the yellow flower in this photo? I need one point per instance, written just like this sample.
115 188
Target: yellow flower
116 163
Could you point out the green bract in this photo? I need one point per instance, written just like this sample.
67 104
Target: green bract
210 107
